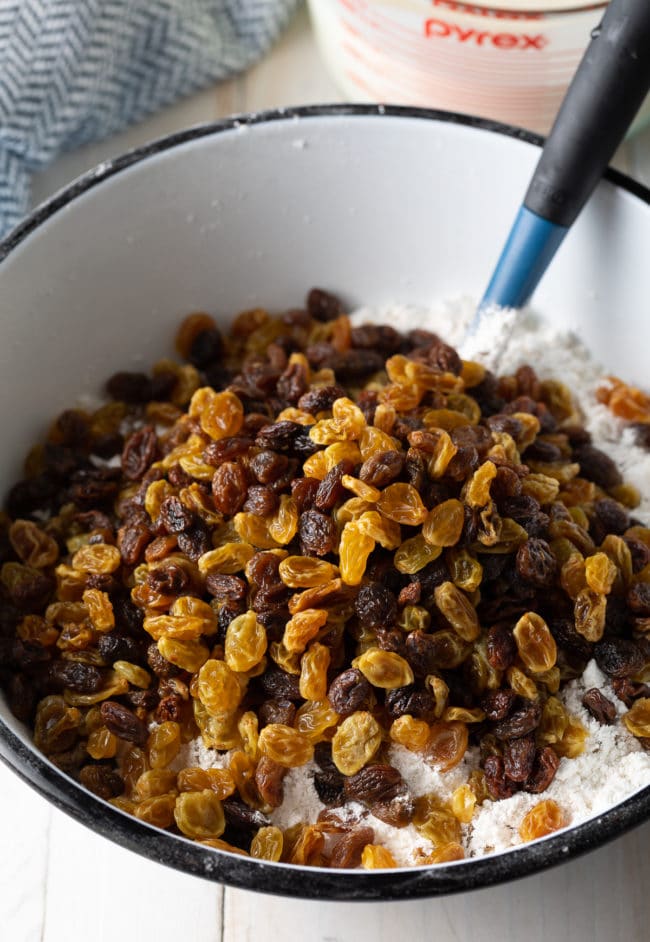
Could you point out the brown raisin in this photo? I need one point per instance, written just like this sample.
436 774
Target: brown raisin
497 784
518 758
543 772
382 468
123 723
501 647
619 657
520 722
317 533
599 706
596 466
323 306
536 563
638 598
330 490
349 692
347 851
376 606
497 704
139 452
375 783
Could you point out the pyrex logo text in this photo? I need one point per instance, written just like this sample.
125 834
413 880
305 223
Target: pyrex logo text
434 28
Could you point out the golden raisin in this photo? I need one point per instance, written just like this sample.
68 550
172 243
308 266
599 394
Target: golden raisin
355 742
458 610
285 745
245 643
384 669
544 818
535 643
199 815
444 524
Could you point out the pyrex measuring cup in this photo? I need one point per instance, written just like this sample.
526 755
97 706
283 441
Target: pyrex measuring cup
511 60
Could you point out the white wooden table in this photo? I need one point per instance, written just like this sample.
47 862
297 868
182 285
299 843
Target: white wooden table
61 883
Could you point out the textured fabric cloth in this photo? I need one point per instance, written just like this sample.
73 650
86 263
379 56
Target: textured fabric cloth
73 71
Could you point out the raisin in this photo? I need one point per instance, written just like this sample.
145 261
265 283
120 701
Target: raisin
260 501
280 436
520 722
397 813
526 511
409 595
536 563
320 399
355 365
160 665
169 709
376 606
277 711
382 468
303 491
139 452
417 703
376 337
543 771
222 587
227 449
229 487
206 347
243 818
169 578
175 516
375 783
21 697
269 777
347 851
277 683
123 722
330 489
317 532
323 306
497 784
596 466
101 780
498 703
268 466
501 647
599 706
628 691
639 552
195 541
134 388
612 516
518 758
83 678
132 541
619 657
421 652
349 692
638 598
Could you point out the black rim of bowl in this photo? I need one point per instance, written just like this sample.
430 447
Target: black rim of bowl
235 870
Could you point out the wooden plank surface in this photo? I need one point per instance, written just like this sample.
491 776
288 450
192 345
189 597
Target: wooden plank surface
61 883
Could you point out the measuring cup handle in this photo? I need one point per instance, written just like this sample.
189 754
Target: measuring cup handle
603 98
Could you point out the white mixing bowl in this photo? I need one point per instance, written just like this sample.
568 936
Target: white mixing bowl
375 205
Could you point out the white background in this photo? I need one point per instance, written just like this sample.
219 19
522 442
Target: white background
61 883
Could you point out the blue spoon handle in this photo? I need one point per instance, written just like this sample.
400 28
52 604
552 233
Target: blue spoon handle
607 90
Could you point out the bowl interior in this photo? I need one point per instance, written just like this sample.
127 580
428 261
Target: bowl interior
377 207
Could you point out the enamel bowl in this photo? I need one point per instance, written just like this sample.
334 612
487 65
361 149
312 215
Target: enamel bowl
375 204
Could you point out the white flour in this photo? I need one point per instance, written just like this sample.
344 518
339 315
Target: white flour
613 765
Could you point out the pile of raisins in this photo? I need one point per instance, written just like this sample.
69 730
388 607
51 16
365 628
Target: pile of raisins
307 543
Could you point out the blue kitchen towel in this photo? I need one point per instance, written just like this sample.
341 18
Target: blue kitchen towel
73 71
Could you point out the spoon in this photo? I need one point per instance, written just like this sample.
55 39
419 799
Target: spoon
605 94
